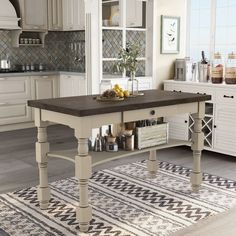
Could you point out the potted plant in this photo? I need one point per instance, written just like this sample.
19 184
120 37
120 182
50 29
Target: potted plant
128 63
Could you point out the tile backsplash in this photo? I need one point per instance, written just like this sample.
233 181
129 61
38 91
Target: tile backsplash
66 50
56 55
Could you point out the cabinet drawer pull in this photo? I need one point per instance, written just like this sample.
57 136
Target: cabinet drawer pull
177 91
226 96
152 112
201 93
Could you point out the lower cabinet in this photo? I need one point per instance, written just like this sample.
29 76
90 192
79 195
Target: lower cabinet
220 114
225 129
14 111
45 87
72 85
14 93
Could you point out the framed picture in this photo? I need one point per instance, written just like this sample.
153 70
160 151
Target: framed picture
170 30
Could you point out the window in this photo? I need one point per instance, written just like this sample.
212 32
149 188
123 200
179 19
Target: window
212 28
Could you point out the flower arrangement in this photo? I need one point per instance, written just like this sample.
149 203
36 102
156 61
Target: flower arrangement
128 59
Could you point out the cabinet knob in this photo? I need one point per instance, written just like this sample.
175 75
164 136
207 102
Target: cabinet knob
152 112
185 121
215 126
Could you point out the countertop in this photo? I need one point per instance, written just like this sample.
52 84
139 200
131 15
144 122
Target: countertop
88 105
41 73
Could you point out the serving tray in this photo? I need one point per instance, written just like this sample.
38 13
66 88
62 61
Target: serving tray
104 99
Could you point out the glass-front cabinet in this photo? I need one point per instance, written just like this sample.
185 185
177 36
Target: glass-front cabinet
123 23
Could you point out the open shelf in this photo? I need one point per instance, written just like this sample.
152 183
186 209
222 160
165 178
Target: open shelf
103 157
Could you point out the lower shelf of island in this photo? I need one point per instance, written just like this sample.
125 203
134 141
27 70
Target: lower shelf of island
103 157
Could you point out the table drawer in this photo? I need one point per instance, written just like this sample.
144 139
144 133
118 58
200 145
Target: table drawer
14 112
226 96
156 112
15 88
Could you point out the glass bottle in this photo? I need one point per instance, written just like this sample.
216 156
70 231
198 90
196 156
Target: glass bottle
217 69
133 84
105 85
230 69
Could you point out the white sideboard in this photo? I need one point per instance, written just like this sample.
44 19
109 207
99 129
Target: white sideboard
219 125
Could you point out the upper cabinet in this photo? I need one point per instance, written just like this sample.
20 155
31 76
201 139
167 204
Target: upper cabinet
66 15
33 15
134 17
55 15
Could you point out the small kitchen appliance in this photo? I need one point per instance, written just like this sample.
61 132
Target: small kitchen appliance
183 69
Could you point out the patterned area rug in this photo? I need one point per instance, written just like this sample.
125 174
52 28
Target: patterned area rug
125 202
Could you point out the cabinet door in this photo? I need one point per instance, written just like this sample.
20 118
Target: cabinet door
134 13
79 15
14 111
45 87
68 14
34 14
72 86
55 15
178 127
225 129
15 88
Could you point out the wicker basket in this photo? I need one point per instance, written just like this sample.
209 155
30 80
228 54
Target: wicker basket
150 136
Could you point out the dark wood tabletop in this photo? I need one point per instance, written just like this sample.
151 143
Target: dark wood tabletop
88 105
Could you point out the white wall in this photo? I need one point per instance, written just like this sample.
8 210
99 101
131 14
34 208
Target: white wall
164 68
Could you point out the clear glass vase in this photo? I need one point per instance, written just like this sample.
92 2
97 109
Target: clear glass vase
133 85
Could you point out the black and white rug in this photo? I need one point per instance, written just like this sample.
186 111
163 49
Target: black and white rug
125 202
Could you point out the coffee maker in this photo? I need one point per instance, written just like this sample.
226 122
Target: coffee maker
183 69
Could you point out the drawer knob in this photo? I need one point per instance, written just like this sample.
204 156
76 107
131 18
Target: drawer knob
152 112
226 96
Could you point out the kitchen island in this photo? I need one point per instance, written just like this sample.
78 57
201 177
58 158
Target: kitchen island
84 113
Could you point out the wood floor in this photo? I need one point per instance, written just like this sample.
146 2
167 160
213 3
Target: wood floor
18 168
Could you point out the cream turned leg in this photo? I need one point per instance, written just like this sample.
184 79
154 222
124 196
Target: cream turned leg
83 171
152 163
197 147
42 148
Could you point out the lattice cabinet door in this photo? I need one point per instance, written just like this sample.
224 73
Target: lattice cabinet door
207 126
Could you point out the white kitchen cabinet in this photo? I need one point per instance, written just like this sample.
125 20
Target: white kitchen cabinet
14 111
220 114
78 15
66 15
15 88
178 127
72 85
225 129
45 87
134 13
14 93
33 15
55 17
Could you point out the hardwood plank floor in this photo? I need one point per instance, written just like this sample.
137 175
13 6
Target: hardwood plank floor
18 168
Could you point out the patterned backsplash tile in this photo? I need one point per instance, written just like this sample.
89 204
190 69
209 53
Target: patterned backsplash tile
56 55
66 50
